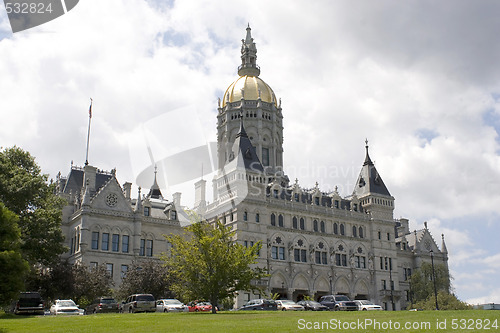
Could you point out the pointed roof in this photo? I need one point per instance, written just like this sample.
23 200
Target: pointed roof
443 245
369 180
244 152
155 191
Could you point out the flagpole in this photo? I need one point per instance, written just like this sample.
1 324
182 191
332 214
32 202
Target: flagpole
88 134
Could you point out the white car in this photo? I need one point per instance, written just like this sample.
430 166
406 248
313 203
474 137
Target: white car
171 305
288 305
64 307
364 305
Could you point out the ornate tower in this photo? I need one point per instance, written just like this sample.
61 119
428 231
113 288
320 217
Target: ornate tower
371 191
254 100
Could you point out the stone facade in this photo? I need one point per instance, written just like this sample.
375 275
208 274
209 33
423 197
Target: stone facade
103 225
313 243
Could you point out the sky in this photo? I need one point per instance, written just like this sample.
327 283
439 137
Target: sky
419 79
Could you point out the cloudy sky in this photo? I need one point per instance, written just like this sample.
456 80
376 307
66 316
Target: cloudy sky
419 79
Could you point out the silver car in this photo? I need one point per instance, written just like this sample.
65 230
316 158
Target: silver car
139 303
288 305
171 305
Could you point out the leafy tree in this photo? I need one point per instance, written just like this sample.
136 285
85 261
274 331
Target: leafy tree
90 283
148 277
13 267
206 263
446 301
24 190
422 284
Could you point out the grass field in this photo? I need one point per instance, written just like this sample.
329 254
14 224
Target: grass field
240 321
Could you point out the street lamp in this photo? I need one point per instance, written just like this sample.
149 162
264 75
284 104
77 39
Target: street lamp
434 279
391 285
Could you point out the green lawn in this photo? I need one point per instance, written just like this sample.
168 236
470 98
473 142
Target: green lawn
240 321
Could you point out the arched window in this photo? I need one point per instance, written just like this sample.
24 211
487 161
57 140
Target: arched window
342 229
245 216
361 232
322 226
302 224
335 228
354 231
273 219
294 222
315 225
280 221
257 217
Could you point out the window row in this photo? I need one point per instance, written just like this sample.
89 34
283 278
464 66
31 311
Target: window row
117 245
110 268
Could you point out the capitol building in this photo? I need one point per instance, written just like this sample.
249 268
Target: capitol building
314 242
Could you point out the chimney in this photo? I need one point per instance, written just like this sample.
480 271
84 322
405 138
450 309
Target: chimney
177 199
127 189
199 193
89 177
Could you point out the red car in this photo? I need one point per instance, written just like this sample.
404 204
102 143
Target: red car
196 306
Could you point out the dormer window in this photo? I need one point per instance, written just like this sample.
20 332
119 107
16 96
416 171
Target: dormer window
297 198
173 215
147 211
316 201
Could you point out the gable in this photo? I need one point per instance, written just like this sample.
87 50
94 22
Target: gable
111 197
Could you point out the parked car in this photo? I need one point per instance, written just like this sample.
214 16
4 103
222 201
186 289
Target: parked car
139 303
103 304
29 303
288 305
171 305
338 303
313 306
365 305
197 306
64 307
260 304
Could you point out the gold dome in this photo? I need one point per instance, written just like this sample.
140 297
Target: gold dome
251 85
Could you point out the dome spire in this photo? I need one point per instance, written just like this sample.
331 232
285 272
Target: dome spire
248 56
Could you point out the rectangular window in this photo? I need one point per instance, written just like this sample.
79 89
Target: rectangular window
337 259
344 260
95 240
93 265
275 193
105 242
265 156
384 285
146 211
142 249
296 254
274 252
363 262
324 258
318 257
125 242
337 204
381 263
149 248
115 242
303 255
297 197
109 269
123 271
71 245
281 254
316 201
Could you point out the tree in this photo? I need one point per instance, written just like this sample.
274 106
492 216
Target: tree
90 283
148 277
24 190
422 285
206 263
13 267
446 301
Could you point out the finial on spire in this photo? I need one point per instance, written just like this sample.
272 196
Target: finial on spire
248 56
368 161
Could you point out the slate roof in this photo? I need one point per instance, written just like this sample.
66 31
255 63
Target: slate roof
244 152
369 180
74 182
